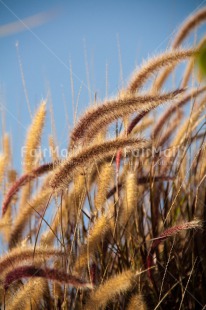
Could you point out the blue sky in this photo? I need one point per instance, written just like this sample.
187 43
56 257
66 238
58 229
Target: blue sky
87 35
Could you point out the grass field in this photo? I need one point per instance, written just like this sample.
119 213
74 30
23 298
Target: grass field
128 201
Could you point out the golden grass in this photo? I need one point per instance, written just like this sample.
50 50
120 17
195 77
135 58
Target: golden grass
65 172
78 231
33 138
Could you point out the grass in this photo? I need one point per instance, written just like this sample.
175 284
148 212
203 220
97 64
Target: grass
129 224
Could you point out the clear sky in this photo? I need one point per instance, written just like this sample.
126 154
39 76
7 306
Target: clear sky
89 35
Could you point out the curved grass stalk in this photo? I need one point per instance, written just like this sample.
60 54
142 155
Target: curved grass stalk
27 296
191 65
187 27
64 173
23 180
37 203
99 117
71 204
193 21
155 64
195 224
110 289
193 94
28 271
98 233
189 125
16 256
145 124
136 302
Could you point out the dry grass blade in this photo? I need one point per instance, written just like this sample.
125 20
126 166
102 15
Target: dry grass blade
27 295
194 93
24 179
17 255
185 131
112 287
130 197
2 167
160 61
195 224
28 271
64 173
36 204
106 175
187 27
193 21
98 117
33 138
137 302
102 227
